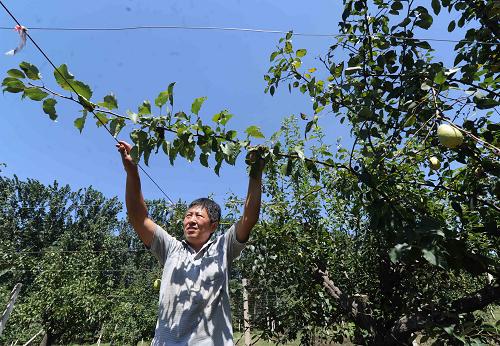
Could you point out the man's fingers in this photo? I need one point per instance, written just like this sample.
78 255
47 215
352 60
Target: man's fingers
124 147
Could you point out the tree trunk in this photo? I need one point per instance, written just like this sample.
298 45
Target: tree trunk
48 339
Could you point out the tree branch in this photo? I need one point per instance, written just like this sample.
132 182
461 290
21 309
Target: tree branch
355 306
406 325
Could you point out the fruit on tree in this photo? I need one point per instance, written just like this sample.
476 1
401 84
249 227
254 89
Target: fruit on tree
449 136
157 284
434 163
479 172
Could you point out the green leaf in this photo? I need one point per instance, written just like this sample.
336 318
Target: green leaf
82 89
102 118
35 94
228 149
15 73
440 78
49 108
67 81
181 115
288 47
365 113
299 152
485 103
430 256
451 26
423 45
410 121
110 102
273 56
170 90
80 122
309 125
134 152
195 107
301 52
397 251
222 117
425 87
13 85
89 106
204 159
145 108
232 135
396 6
3 272
162 98
116 126
436 6
424 22
133 116
449 329
254 131
63 76
30 70
405 22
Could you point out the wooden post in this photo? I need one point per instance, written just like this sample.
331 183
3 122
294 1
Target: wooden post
100 336
246 314
10 306
33 338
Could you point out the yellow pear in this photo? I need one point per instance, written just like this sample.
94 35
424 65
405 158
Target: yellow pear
434 163
157 284
449 136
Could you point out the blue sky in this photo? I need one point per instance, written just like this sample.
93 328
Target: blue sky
227 67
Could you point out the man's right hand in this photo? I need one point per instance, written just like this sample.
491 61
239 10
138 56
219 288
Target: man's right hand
128 163
136 207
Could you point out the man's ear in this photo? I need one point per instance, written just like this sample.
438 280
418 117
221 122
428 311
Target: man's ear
213 226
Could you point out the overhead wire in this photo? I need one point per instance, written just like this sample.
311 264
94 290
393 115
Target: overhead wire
71 86
265 31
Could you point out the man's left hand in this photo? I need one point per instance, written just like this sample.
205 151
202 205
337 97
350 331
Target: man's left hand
256 158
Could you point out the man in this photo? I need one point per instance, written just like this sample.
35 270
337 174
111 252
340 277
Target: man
194 306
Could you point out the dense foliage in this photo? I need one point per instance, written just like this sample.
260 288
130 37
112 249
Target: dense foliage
370 242
84 271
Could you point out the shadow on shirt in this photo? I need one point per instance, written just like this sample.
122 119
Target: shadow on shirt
193 299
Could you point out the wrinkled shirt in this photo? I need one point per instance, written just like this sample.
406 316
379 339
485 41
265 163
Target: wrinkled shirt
194 307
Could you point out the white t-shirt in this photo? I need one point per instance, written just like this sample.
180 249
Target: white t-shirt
194 307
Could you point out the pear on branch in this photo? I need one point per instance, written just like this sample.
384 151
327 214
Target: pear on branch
449 136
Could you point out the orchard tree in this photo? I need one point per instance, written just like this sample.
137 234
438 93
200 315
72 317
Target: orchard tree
85 274
415 198
419 222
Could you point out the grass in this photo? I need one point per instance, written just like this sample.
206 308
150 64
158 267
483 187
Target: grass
492 315
239 340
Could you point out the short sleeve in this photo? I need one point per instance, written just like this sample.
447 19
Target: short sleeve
233 246
162 244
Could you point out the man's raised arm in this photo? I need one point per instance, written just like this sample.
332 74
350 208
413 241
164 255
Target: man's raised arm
136 207
251 209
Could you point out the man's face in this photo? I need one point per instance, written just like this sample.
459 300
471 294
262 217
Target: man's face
198 227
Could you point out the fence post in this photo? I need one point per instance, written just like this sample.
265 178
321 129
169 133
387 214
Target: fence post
246 314
33 338
10 306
